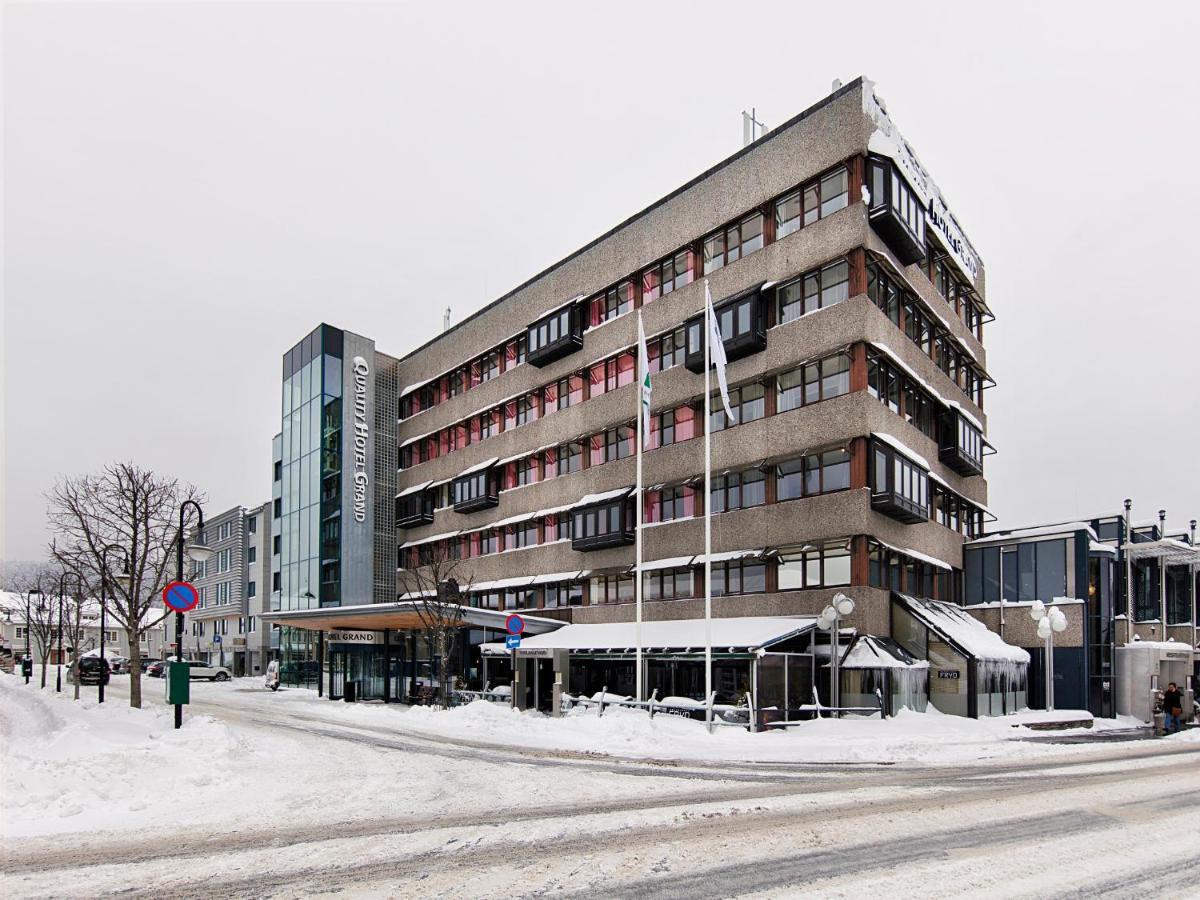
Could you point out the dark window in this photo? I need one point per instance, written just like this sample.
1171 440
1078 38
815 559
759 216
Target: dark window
814 290
739 577
813 201
738 490
815 381
668 584
667 276
747 403
826 565
816 473
733 242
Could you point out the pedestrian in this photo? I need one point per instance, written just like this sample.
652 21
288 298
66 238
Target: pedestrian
1172 708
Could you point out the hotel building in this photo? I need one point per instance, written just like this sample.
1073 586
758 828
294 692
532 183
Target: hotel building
853 311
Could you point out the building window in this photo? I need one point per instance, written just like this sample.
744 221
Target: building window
570 458
613 444
252 525
817 199
814 290
732 243
672 426
616 301
667 276
251 554
275 586
667 351
525 535
671 503
566 593
813 382
747 403
739 577
816 473
275 544
611 589
738 490
668 584
883 381
883 291
827 565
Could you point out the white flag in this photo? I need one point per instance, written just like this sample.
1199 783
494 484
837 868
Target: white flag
644 381
717 352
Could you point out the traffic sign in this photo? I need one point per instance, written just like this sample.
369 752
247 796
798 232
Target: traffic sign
512 642
180 596
515 624
216 639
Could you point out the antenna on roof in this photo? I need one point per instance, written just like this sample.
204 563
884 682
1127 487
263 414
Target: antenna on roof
752 128
446 320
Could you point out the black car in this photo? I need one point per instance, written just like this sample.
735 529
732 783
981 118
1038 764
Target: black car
91 670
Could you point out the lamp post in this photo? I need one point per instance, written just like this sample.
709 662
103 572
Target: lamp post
198 552
1048 622
123 578
831 620
28 617
61 592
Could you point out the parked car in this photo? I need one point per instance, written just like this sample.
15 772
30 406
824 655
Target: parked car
89 670
118 665
201 670
147 663
156 668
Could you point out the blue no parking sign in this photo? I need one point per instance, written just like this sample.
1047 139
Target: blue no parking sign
179 596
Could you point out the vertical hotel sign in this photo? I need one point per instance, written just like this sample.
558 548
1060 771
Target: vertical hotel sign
362 439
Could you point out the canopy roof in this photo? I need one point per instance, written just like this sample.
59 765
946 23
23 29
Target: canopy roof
741 634
962 630
870 652
1168 550
403 614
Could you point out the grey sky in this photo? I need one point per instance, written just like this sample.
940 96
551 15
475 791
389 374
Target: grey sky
189 188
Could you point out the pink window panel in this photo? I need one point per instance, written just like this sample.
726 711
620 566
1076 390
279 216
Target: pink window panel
510 475
510 415
550 392
596 449
689 501
596 378
685 423
474 373
576 389
596 310
652 438
625 367
550 463
651 285
650 506
510 355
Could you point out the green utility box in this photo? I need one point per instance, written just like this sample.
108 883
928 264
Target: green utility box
179 683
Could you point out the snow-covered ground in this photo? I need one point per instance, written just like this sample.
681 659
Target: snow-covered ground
286 795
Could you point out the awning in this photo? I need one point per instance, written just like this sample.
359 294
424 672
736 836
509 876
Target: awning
870 652
962 630
1168 550
403 614
745 634
589 499
415 489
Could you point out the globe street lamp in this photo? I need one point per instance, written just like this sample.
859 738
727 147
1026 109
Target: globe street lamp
28 617
831 620
61 591
1048 622
198 552
123 579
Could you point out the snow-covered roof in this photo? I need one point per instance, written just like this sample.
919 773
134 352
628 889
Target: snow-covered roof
551 577
430 539
414 489
870 652
963 630
1062 528
1097 547
512 520
673 562
501 584
589 499
915 554
896 444
746 633
1173 552
728 555
479 467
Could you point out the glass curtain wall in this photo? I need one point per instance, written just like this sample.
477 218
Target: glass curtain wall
311 469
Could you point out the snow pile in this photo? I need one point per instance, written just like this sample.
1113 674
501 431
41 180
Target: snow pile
86 766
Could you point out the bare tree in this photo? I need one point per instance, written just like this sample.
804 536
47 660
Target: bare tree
438 589
134 509
37 612
80 611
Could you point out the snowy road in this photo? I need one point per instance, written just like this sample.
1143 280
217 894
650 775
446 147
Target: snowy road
377 806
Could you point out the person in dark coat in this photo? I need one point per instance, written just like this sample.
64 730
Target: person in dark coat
1172 708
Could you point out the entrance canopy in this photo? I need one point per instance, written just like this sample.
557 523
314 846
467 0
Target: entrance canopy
745 634
401 615
1168 550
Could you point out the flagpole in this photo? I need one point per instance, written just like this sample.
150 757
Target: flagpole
707 494
643 365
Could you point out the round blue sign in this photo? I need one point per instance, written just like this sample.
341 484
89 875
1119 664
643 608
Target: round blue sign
515 624
180 596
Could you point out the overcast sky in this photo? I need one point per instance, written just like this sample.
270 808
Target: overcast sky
189 189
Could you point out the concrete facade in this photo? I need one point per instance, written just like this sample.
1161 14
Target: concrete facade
836 132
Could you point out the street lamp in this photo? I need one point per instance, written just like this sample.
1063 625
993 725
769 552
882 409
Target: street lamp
831 620
123 579
1048 622
197 551
61 591
28 617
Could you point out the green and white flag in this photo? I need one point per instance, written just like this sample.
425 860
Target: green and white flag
644 381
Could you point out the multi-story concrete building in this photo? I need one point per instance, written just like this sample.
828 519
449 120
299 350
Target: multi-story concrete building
852 308
227 628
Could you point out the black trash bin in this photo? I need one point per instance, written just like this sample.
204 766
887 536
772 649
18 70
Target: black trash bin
350 693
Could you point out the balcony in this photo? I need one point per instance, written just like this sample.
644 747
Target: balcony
895 211
414 507
899 484
554 336
961 444
606 523
477 488
743 322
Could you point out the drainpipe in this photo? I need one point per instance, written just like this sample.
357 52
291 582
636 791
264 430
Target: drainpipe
1128 573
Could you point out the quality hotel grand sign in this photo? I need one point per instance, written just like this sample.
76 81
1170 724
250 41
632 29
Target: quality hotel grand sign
362 435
